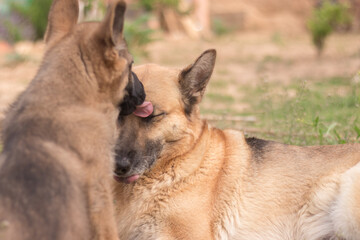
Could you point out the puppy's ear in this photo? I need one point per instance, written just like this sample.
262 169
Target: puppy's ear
112 26
62 18
194 78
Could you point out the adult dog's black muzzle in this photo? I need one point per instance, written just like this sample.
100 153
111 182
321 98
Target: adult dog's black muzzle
134 96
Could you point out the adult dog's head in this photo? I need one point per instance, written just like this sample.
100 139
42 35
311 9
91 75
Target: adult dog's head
95 52
174 125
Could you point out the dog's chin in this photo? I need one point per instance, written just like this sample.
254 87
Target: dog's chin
127 180
135 173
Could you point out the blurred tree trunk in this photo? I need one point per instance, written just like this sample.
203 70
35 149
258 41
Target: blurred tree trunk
194 21
202 14
355 10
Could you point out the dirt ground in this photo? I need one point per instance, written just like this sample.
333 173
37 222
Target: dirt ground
243 59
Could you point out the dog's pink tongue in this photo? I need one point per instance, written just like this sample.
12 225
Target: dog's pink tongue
132 178
144 110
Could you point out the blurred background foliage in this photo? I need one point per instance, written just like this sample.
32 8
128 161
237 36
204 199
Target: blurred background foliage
34 11
138 35
27 19
325 19
23 19
153 5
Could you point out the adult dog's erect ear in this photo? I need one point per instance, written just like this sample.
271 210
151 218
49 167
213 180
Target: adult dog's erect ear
194 78
113 25
62 18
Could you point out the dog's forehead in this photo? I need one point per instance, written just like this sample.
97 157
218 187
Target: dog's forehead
160 83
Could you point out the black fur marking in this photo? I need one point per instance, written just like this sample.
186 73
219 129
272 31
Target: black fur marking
186 92
153 148
130 153
258 147
83 61
190 101
135 95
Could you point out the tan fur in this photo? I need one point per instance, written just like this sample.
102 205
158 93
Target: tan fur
57 161
212 184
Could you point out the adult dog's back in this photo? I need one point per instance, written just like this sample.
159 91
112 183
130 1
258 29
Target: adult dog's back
195 181
58 136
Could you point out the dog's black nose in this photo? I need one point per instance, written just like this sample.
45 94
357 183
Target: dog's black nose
123 166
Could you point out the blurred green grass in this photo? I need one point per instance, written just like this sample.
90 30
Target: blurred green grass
312 112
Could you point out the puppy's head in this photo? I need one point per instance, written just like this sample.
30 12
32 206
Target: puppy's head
173 127
94 51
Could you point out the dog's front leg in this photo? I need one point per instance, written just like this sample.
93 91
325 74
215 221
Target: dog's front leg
102 210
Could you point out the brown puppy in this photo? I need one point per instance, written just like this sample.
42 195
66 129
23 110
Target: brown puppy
57 160
199 182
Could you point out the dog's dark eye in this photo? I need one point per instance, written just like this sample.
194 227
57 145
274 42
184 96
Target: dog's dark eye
153 116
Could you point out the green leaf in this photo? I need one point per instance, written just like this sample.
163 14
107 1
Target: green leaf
357 130
316 122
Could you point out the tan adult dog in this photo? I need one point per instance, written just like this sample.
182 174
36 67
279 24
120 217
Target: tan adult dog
57 160
199 182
